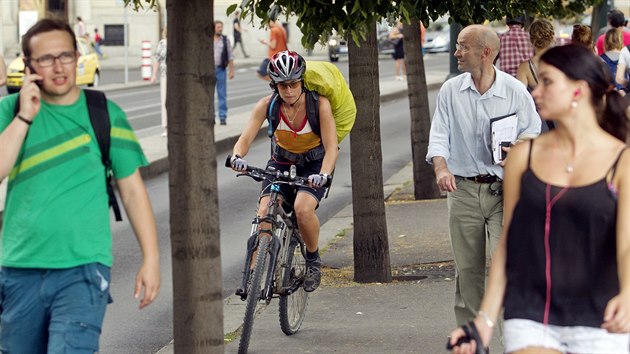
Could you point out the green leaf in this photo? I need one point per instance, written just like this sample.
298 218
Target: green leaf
356 7
231 9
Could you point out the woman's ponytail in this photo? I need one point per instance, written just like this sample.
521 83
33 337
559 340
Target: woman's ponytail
614 119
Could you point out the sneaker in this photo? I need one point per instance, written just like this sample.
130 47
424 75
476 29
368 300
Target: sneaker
313 275
223 122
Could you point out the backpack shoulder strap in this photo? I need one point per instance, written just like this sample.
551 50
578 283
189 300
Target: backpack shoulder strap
16 110
532 69
273 113
99 117
312 110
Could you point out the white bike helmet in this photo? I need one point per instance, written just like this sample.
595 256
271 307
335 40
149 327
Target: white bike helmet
286 66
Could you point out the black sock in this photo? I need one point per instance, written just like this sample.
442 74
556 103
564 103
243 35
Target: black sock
312 256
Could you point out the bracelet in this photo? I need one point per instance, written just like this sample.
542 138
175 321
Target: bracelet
486 318
28 122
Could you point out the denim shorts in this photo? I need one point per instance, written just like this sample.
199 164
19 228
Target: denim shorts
519 334
53 310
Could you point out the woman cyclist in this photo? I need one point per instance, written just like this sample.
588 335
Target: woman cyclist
295 142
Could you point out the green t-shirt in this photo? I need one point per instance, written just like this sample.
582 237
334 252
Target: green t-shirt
56 212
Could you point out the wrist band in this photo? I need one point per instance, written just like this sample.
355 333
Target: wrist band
29 122
486 318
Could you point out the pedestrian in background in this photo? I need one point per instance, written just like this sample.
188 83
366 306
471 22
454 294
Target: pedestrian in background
515 46
56 235
613 44
583 35
459 149
622 69
542 36
159 65
79 28
238 32
277 43
223 68
562 267
616 20
396 36
97 43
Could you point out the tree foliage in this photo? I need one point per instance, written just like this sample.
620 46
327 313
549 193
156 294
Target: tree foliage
138 5
318 19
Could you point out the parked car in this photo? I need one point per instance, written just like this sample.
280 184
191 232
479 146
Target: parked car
438 41
338 46
88 68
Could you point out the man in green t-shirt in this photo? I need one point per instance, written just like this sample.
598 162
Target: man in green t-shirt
56 249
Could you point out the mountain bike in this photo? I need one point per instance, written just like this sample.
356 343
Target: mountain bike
279 257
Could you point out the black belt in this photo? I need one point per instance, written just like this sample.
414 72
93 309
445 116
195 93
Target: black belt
483 178
299 159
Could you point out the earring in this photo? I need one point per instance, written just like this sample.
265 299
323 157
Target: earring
574 104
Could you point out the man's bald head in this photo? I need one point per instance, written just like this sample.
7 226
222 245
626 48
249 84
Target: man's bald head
484 37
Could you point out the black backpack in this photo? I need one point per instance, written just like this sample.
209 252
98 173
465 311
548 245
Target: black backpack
99 117
312 112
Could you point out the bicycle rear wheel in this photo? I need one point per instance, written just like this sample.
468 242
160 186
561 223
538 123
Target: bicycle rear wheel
293 306
254 292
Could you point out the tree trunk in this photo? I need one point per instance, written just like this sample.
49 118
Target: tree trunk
424 186
194 217
371 248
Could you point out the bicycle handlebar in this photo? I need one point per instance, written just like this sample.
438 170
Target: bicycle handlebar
259 174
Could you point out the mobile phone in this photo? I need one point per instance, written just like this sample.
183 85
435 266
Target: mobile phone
504 144
28 64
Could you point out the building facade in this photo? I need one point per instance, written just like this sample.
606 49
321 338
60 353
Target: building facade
110 16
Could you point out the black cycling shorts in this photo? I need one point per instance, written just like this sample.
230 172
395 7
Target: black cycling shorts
288 192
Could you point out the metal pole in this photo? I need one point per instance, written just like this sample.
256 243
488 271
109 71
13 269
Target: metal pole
126 27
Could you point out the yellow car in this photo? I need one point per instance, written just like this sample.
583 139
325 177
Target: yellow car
88 68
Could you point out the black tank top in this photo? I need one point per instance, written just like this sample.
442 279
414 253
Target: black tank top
566 275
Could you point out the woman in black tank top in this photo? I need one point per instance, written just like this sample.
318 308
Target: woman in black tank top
562 266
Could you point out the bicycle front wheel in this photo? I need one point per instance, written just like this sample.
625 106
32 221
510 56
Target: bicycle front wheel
254 292
293 306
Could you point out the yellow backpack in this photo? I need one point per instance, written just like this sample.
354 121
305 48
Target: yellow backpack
325 79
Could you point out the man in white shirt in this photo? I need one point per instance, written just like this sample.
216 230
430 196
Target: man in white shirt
460 151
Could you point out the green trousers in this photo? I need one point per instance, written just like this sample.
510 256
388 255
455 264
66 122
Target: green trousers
475 222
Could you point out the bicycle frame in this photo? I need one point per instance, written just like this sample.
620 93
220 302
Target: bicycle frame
283 229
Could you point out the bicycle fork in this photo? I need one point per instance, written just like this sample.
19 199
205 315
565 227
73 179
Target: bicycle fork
274 250
252 243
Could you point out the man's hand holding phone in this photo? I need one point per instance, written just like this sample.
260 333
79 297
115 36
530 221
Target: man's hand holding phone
30 94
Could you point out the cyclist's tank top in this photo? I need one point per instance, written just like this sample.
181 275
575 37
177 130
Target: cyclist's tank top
561 252
296 139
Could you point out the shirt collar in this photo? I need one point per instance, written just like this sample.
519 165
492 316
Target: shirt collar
498 87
